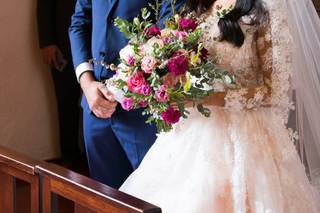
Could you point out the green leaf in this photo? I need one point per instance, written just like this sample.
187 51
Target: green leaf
187 85
204 111
145 13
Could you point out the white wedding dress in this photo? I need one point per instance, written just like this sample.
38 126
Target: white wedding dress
241 159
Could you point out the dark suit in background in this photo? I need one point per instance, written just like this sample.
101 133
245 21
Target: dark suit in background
53 21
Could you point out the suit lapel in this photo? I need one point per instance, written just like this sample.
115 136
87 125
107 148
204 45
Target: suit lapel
112 4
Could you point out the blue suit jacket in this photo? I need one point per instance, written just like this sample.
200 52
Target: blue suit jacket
94 36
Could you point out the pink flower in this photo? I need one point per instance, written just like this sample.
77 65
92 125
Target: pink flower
178 65
146 90
152 31
167 40
162 94
188 24
171 116
127 104
136 82
143 103
182 35
148 64
130 60
127 54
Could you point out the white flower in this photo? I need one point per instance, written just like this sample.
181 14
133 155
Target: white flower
122 72
127 53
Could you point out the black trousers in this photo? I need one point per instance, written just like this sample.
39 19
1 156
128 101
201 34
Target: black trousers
67 92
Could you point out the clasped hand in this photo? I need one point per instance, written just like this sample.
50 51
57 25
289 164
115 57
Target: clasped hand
100 100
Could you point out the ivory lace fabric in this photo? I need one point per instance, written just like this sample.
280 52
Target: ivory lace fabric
242 158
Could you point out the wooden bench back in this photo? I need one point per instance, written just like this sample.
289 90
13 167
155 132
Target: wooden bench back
45 179
87 193
17 166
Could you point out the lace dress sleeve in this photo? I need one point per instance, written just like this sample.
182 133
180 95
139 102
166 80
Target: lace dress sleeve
252 98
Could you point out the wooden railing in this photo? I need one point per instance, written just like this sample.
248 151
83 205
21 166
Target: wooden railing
16 166
87 193
47 179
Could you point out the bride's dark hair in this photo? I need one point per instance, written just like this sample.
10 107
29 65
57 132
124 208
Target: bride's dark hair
229 24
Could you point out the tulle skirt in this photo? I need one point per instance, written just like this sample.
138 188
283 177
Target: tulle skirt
230 162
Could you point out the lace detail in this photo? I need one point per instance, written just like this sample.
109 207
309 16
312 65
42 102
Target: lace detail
263 63
281 59
236 99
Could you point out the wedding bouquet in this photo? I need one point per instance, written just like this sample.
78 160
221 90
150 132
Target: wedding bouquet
161 70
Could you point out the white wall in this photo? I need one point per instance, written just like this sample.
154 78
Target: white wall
28 116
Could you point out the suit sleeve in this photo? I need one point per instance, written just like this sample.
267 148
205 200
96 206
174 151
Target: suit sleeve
80 32
166 12
46 22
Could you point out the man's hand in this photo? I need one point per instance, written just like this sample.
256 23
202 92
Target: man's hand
52 55
101 102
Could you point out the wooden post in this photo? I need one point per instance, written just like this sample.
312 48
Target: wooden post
6 193
46 195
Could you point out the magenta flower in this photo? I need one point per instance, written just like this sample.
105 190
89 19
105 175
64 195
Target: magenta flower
146 90
204 53
152 31
171 116
178 65
136 82
188 24
127 104
143 103
162 94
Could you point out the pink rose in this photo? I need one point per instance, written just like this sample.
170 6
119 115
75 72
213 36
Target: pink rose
148 64
127 104
178 65
152 31
188 24
162 94
136 82
171 116
146 90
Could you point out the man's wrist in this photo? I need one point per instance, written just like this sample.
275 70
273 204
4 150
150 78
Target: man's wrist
82 68
85 79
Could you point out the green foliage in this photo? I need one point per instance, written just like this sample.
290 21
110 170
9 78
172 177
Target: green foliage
191 87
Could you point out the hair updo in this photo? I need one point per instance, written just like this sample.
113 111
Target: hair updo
229 25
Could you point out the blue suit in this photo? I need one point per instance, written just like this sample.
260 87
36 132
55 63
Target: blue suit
115 146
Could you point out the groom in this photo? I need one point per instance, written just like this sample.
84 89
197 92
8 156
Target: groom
115 140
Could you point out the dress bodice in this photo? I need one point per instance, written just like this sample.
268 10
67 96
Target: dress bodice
251 64
247 62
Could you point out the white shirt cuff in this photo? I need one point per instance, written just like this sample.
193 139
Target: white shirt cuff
84 67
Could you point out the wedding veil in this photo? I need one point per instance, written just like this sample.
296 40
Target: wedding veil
304 25
299 62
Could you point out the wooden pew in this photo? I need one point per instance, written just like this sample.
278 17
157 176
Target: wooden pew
14 165
87 194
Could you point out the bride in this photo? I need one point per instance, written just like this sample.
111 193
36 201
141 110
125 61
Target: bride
242 158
